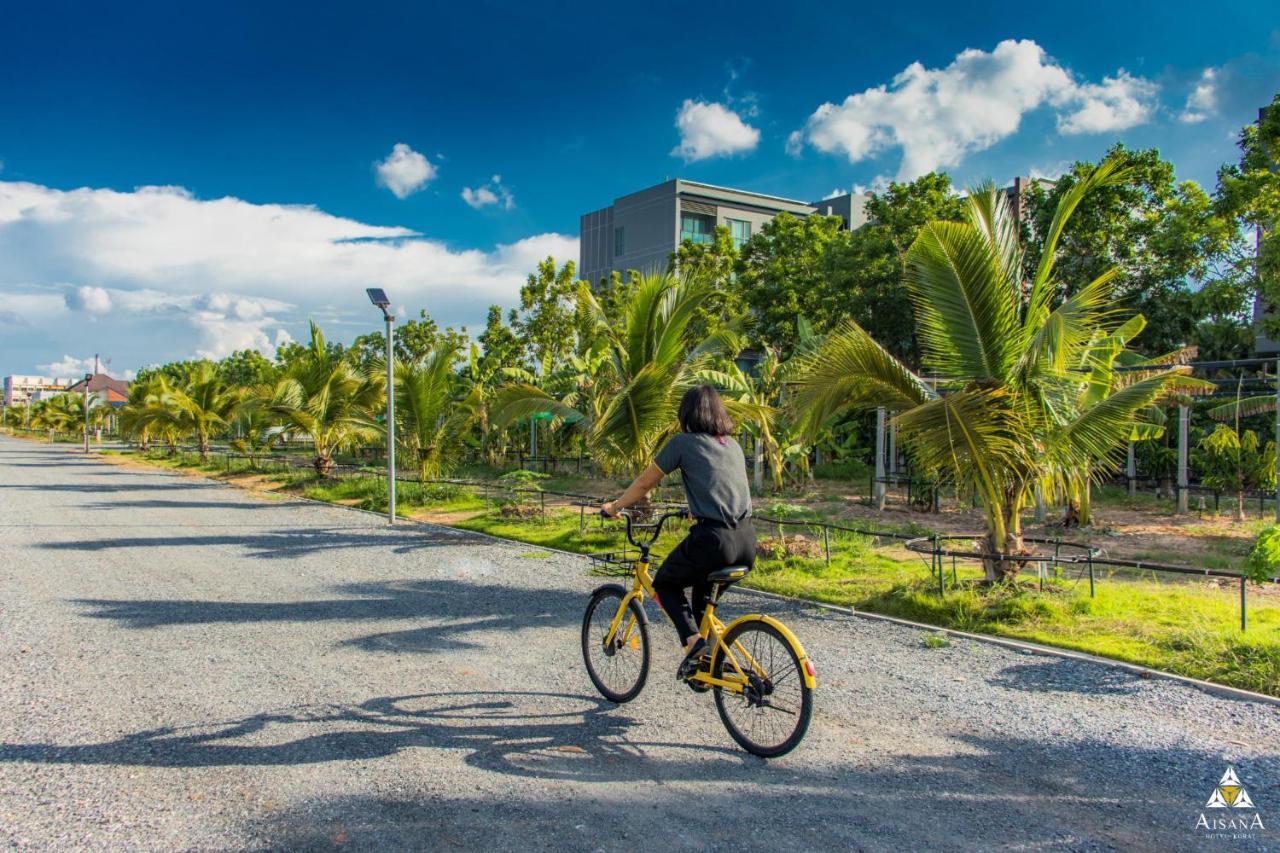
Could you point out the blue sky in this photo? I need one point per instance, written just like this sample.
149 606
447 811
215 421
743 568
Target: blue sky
242 114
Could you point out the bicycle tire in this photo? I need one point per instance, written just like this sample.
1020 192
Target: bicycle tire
595 624
751 634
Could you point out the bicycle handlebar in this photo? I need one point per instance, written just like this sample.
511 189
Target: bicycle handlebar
630 515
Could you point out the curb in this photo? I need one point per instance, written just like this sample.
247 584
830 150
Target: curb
1236 693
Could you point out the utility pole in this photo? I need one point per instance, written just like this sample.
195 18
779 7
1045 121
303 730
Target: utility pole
878 488
1184 418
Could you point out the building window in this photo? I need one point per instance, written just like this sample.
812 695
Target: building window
619 241
740 231
698 227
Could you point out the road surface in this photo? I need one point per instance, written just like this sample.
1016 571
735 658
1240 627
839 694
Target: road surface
185 665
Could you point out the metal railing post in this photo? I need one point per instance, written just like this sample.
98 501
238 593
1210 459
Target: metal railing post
1244 611
826 542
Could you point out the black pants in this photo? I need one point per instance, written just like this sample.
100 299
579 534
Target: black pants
709 547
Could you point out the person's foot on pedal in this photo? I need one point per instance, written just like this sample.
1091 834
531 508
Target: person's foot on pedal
692 660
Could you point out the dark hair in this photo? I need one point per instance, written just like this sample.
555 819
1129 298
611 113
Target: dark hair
702 410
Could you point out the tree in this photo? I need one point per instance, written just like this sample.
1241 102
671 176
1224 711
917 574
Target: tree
1231 461
1162 237
413 341
868 271
245 369
782 272
428 424
1249 194
1005 411
329 398
713 264
546 321
202 406
651 361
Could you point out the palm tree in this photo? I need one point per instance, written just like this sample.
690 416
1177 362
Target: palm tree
1016 394
260 428
329 398
203 405
428 423
650 362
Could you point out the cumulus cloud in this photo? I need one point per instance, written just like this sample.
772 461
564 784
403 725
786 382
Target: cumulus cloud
1203 100
492 193
1116 103
208 277
91 300
67 366
937 116
711 130
405 171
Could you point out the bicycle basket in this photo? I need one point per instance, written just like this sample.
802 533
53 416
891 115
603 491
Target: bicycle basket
618 564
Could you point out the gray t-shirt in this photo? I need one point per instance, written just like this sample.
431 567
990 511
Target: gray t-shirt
714 473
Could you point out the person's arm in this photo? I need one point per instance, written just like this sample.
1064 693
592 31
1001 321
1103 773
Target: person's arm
637 491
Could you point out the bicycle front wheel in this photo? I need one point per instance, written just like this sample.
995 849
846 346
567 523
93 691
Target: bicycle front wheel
619 666
770 716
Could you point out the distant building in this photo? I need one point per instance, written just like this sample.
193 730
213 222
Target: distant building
640 231
112 392
20 390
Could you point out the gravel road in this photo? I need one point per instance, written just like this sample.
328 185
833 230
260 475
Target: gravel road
186 666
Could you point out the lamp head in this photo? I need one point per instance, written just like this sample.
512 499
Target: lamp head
378 297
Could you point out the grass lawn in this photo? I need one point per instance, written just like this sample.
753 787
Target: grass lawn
1190 627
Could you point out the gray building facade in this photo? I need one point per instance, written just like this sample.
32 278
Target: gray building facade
640 231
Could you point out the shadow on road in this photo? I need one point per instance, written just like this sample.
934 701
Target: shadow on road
288 543
460 608
1050 795
157 503
1065 676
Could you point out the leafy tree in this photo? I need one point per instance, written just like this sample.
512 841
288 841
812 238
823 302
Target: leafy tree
782 271
245 369
415 340
868 271
1231 461
1249 193
327 397
713 264
1163 239
1015 404
546 321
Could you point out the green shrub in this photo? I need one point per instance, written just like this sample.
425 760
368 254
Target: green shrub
1263 562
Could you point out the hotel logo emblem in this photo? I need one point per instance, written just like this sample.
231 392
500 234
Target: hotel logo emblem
1229 794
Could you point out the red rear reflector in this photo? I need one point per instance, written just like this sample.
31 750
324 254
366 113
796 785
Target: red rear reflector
808 667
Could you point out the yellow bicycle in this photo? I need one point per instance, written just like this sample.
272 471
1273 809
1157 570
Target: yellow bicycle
762 680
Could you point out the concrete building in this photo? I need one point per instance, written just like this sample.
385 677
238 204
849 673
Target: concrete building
20 390
640 231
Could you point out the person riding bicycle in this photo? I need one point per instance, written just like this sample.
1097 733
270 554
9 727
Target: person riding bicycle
714 472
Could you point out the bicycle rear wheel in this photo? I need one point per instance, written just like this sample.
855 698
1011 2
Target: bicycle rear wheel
619 668
771 715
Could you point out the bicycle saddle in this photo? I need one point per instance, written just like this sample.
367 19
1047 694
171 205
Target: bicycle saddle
732 574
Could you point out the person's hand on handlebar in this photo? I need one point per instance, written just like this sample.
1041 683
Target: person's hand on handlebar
609 509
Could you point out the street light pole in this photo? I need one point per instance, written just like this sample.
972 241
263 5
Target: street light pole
87 377
378 297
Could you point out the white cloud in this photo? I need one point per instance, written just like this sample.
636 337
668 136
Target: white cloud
67 366
186 276
405 171
1049 172
711 130
91 300
938 116
492 193
1203 100
1117 103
